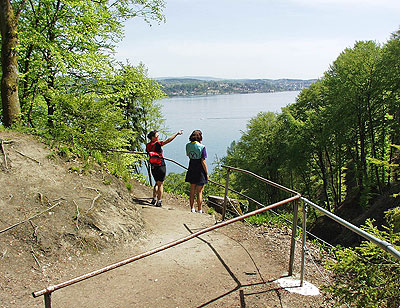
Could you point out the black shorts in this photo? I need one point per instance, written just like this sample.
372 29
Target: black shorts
159 173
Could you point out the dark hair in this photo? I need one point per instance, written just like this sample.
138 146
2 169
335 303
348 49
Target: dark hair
152 134
196 136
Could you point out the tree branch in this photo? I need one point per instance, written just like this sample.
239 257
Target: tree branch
28 157
26 220
4 154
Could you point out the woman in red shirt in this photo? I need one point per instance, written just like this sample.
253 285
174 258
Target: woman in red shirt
158 168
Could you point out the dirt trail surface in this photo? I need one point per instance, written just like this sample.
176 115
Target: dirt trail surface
96 222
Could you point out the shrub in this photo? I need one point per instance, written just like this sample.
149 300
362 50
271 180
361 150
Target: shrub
367 276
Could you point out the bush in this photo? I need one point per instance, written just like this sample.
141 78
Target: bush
367 276
175 183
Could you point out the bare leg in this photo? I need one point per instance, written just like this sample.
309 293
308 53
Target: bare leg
155 191
199 190
160 190
191 196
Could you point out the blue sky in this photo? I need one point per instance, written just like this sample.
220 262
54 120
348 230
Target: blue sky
255 38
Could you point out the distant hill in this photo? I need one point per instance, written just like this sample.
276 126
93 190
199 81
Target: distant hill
187 86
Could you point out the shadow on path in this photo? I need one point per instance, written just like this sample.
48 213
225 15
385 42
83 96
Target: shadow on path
239 286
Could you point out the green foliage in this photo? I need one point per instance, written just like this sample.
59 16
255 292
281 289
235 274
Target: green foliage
211 211
71 43
175 183
88 123
335 140
107 181
257 220
271 219
72 90
367 276
134 94
256 151
64 151
129 186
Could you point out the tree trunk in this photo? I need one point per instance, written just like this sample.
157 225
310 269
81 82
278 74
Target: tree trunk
9 62
322 167
331 174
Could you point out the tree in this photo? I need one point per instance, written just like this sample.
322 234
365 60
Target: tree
326 143
256 151
9 61
355 100
390 76
64 42
135 94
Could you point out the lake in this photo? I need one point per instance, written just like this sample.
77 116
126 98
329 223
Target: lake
221 118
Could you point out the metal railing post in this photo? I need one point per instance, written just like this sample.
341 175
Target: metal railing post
226 194
303 249
47 300
294 233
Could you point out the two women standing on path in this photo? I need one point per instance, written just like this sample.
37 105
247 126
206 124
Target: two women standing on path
197 174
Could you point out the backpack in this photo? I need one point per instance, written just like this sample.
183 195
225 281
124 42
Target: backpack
155 157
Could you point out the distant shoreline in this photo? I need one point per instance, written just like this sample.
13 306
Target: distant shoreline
177 87
231 93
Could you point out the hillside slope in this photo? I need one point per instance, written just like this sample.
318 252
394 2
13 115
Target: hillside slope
94 221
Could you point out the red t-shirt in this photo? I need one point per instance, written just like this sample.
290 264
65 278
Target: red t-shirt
154 149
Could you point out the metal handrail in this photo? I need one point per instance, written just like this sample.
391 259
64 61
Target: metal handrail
388 247
262 179
382 244
47 291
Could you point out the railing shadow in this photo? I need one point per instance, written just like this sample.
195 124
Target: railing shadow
239 286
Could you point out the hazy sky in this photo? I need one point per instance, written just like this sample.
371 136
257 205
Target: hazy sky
255 38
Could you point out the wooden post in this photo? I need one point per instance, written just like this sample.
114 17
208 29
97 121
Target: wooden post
294 232
47 300
226 194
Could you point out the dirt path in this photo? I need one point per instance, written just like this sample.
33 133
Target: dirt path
233 267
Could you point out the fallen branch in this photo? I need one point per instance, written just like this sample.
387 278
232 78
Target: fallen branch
77 214
28 157
26 220
36 260
4 154
94 200
34 230
91 188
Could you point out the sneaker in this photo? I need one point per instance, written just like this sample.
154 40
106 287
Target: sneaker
153 201
159 203
193 210
200 211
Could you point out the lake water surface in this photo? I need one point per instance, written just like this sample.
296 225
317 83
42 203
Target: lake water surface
221 118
